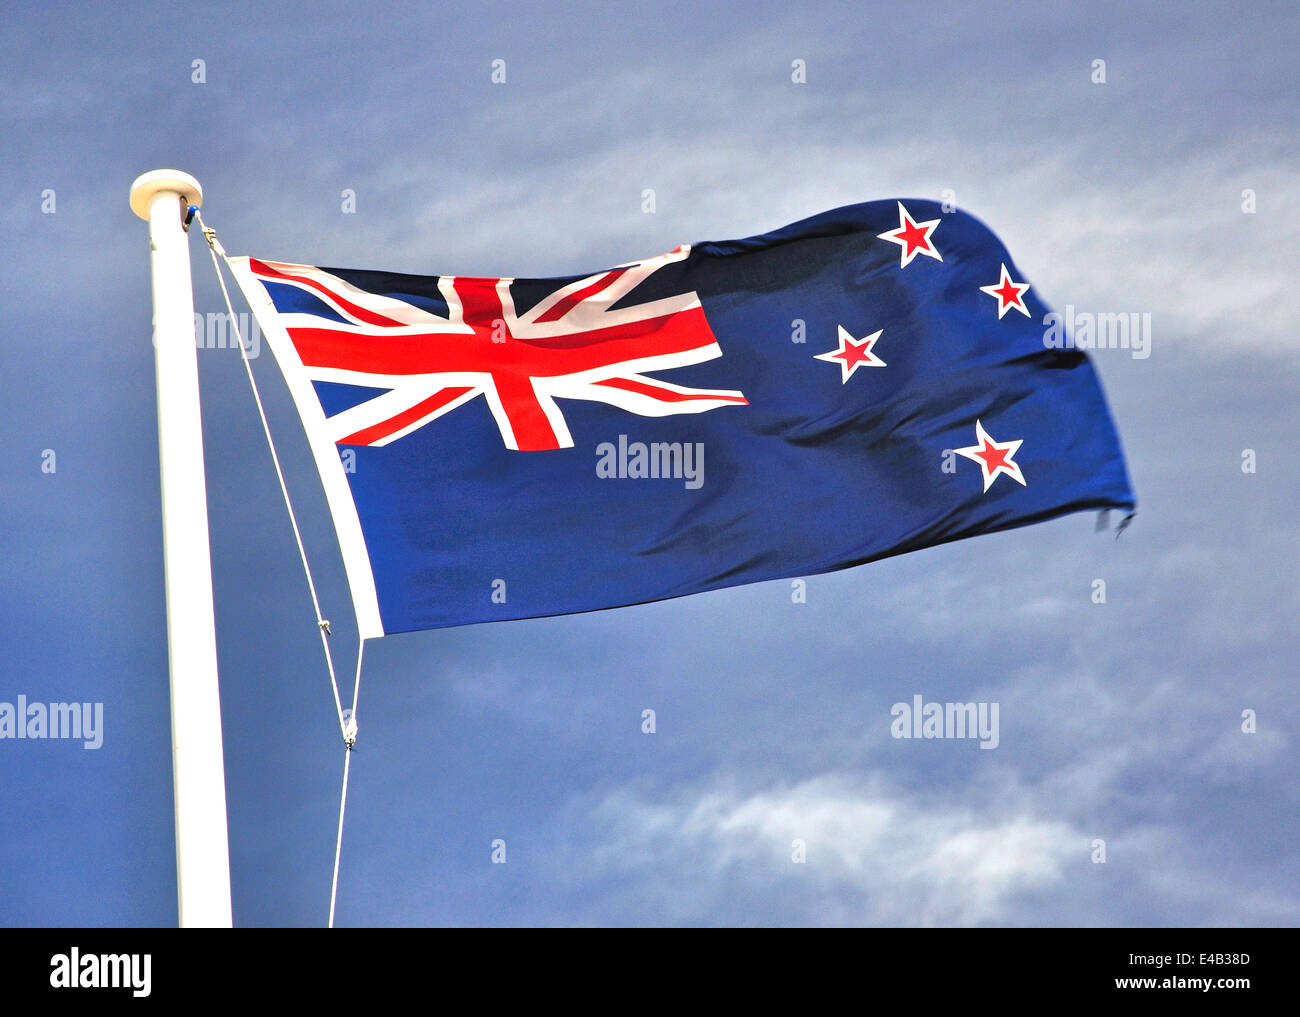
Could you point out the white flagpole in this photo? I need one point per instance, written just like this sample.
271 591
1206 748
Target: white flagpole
198 765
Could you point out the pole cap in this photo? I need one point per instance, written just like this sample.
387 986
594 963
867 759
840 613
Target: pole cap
148 185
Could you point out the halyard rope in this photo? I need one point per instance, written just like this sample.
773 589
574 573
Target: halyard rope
347 720
349 735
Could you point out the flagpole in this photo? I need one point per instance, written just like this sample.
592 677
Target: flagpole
198 768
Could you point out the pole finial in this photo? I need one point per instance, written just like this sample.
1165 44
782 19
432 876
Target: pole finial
163 181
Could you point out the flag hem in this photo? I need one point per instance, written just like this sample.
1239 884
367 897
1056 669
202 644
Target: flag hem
338 493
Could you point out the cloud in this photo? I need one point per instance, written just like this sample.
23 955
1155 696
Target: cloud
874 856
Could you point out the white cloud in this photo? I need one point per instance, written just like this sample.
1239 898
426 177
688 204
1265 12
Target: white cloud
874 856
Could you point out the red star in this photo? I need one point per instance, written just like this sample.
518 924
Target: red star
852 354
1008 294
912 237
994 458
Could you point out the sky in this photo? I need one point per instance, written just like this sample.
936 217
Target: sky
1158 727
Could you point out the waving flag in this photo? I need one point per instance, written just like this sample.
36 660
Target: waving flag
863 383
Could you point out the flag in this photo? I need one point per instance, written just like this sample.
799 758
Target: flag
866 382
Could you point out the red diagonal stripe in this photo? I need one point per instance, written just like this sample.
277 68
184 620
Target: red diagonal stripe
369 317
384 428
563 307
667 395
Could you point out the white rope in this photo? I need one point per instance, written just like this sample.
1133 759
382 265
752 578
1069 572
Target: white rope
338 844
348 720
350 729
324 626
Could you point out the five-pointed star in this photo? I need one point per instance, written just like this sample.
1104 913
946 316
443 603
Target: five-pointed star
853 353
1008 294
913 237
994 457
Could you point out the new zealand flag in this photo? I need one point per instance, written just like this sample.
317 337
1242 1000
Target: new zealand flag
869 381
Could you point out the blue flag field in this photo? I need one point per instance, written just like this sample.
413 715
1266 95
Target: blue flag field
869 381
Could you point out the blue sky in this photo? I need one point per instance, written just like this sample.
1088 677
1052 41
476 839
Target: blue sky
1119 721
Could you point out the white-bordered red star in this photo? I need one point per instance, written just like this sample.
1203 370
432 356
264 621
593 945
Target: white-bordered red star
1008 294
853 353
994 457
913 237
